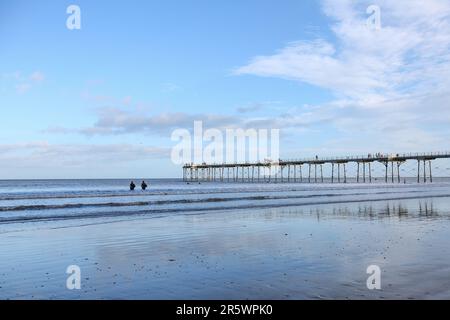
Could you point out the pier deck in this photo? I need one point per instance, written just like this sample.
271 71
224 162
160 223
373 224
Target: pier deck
291 170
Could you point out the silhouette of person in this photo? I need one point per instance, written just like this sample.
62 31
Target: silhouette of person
132 186
143 185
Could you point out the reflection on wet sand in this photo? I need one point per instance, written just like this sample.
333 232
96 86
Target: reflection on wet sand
305 252
372 210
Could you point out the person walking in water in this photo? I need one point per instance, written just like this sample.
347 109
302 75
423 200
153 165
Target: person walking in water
143 185
132 186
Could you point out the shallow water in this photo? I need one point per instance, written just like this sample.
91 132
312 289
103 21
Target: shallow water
58 200
229 241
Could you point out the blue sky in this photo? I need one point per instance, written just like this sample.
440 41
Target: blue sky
102 101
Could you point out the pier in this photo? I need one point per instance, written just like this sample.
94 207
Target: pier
311 170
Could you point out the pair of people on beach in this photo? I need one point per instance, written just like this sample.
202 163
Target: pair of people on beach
143 185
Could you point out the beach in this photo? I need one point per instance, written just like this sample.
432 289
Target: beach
285 241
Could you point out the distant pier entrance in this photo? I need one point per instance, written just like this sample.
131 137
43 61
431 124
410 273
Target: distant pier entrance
312 170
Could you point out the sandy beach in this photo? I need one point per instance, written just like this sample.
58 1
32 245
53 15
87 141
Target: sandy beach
299 252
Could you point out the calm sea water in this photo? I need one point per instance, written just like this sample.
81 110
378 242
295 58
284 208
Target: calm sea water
32 201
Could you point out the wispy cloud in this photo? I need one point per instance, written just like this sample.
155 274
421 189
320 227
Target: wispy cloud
256 106
45 154
37 76
24 83
23 88
406 54
169 87
392 83
116 121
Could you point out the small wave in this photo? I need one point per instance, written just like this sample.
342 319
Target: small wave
194 210
182 201
10 197
71 206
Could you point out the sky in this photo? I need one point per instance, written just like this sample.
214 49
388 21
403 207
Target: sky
102 101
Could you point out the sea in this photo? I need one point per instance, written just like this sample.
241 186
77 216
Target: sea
33 201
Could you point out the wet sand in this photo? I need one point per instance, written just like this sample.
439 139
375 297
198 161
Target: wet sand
306 252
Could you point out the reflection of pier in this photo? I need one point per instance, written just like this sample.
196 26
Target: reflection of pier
311 170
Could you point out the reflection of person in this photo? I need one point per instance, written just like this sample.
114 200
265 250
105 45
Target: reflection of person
143 185
132 186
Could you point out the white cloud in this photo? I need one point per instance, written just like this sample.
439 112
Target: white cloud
37 76
23 88
43 154
396 78
382 62
170 87
112 120
117 121
22 84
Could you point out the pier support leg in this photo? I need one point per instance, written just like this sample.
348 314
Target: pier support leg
424 171
418 171
357 173
332 173
392 171
364 172
431 176
345 173
386 176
